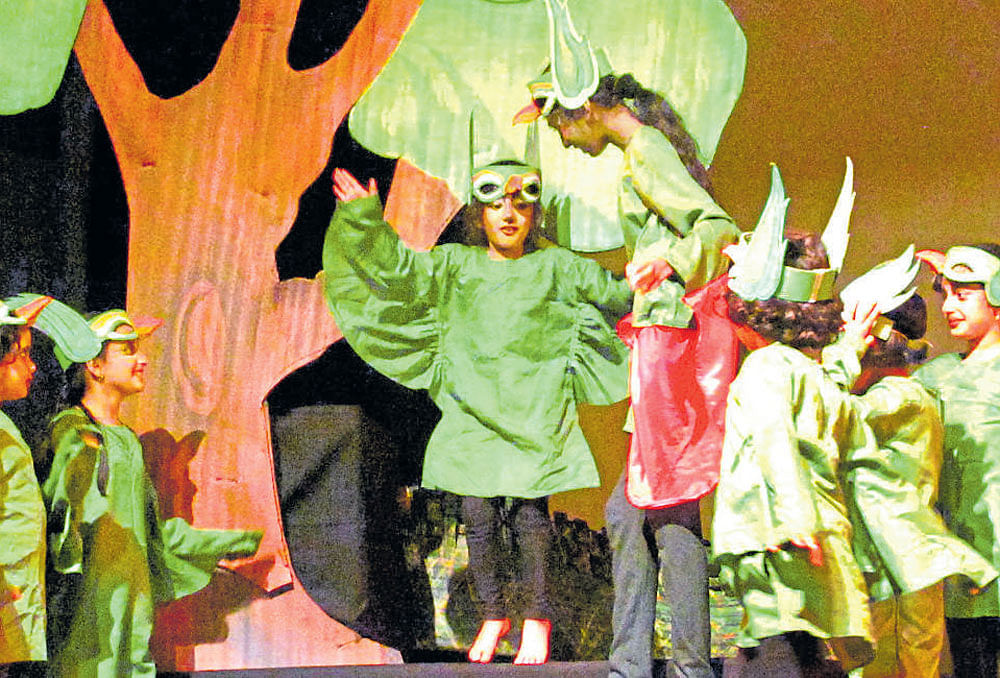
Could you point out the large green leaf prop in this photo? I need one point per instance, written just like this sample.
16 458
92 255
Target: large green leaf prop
36 37
465 55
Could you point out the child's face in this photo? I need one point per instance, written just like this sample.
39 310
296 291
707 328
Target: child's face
582 132
968 313
507 222
17 369
122 366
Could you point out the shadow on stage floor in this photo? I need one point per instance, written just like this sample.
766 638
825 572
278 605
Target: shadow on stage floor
447 665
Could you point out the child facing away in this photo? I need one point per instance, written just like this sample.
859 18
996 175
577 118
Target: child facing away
900 540
781 532
506 338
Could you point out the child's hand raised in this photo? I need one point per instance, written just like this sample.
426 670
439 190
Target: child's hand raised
859 318
346 187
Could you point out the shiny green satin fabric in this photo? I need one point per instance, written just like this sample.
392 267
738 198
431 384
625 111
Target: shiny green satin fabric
22 551
969 492
787 428
900 540
504 348
665 214
113 555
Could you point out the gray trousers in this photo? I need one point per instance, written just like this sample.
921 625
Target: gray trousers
681 560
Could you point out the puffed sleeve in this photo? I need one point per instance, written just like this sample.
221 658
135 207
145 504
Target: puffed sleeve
183 558
382 294
72 489
599 358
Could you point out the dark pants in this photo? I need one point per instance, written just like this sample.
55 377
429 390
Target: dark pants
974 646
682 562
531 531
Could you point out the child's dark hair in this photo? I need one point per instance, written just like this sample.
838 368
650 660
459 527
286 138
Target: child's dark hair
9 335
651 109
797 324
909 322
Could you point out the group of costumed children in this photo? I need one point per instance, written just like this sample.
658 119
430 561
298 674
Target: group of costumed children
827 460
826 464
84 553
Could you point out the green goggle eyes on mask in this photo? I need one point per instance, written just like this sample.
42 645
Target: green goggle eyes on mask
493 183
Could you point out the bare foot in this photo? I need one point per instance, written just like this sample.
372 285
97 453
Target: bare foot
489 635
534 642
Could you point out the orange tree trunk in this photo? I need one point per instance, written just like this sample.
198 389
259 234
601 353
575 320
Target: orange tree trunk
213 178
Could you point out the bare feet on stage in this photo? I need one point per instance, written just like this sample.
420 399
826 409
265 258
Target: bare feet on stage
489 635
534 642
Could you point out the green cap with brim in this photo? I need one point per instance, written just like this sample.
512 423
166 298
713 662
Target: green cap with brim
74 341
965 264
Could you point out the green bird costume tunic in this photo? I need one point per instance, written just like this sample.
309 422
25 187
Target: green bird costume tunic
22 551
788 426
113 557
969 494
899 538
505 349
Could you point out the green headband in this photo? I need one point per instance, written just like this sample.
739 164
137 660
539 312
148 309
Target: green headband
758 270
964 264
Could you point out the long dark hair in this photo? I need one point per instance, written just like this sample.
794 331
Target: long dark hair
797 324
651 109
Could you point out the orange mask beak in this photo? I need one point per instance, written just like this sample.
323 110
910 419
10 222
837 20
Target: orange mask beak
529 113
932 258
29 312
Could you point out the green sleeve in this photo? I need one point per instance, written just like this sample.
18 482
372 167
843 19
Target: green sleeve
598 287
71 493
182 558
841 360
382 294
599 358
655 173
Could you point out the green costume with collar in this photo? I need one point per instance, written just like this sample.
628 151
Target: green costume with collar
665 214
788 426
113 557
22 551
506 349
969 391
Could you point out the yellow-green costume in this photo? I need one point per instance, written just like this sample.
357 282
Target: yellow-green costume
111 556
969 495
506 349
665 214
902 540
788 426
22 551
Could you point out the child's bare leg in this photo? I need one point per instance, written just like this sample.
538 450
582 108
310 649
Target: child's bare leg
534 642
485 645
